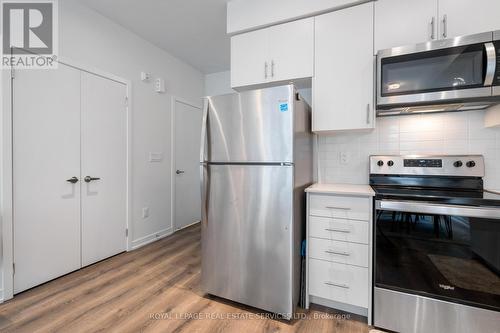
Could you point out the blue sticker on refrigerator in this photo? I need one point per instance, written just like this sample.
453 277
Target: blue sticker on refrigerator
283 107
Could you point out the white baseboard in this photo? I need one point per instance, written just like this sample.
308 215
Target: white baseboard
151 238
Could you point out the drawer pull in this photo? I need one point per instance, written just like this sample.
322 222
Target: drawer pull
340 285
340 208
338 252
339 230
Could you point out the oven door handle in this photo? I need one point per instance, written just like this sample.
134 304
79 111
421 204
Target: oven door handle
491 63
438 209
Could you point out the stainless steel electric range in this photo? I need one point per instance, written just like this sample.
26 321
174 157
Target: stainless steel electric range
437 245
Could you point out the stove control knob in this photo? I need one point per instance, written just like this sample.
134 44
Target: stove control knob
380 163
458 164
471 164
390 163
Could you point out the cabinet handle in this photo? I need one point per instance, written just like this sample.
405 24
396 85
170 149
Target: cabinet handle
339 230
341 285
265 70
368 111
272 68
445 26
342 208
338 253
433 28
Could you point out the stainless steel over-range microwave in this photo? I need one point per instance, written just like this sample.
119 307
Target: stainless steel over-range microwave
461 73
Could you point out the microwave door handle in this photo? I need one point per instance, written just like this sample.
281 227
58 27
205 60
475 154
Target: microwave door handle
491 62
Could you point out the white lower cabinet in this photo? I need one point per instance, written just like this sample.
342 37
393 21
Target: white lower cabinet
341 283
339 251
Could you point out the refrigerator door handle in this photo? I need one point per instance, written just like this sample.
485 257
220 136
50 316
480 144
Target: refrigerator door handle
205 190
204 131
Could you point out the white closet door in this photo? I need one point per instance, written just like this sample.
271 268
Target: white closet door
46 149
104 156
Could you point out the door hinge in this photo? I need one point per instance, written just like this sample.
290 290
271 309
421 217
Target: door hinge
13 268
126 232
126 101
12 73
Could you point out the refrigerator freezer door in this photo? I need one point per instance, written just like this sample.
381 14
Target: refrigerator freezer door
247 235
253 126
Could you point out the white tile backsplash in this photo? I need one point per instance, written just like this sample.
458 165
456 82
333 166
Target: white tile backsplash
440 133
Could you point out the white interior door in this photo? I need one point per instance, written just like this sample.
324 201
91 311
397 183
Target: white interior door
104 156
187 140
46 153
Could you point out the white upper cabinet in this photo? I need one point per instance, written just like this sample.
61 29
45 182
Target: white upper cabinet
405 22
467 17
291 48
248 58
279 53
343 70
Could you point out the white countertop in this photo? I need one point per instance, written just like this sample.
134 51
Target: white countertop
348 189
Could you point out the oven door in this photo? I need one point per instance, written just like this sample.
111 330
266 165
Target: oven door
454 69
445 252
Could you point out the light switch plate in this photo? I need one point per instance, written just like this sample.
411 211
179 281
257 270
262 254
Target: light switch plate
155 157
145 212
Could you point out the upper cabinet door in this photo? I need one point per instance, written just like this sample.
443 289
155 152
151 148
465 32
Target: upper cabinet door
343 70
291 47
249 58
467 17
406 22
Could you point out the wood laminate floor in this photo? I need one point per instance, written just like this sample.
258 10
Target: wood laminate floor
152 289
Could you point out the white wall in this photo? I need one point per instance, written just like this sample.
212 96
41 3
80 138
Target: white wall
92 39
440 133
218 83
88 38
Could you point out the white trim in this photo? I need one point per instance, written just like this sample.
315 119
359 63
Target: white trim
172 157
1 295
6 173
6 183
140 242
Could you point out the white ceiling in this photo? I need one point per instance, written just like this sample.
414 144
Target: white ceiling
191 30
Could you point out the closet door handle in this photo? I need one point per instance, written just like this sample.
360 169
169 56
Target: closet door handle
72 180
88 179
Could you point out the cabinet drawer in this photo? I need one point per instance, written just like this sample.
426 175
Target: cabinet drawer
338 282
344 207
337 251
339 229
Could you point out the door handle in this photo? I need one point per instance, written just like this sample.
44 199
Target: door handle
88 179
179 172
72 180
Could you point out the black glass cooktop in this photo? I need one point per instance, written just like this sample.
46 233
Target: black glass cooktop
481 198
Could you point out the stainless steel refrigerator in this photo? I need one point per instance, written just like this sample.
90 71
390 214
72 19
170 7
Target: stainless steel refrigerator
256 161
